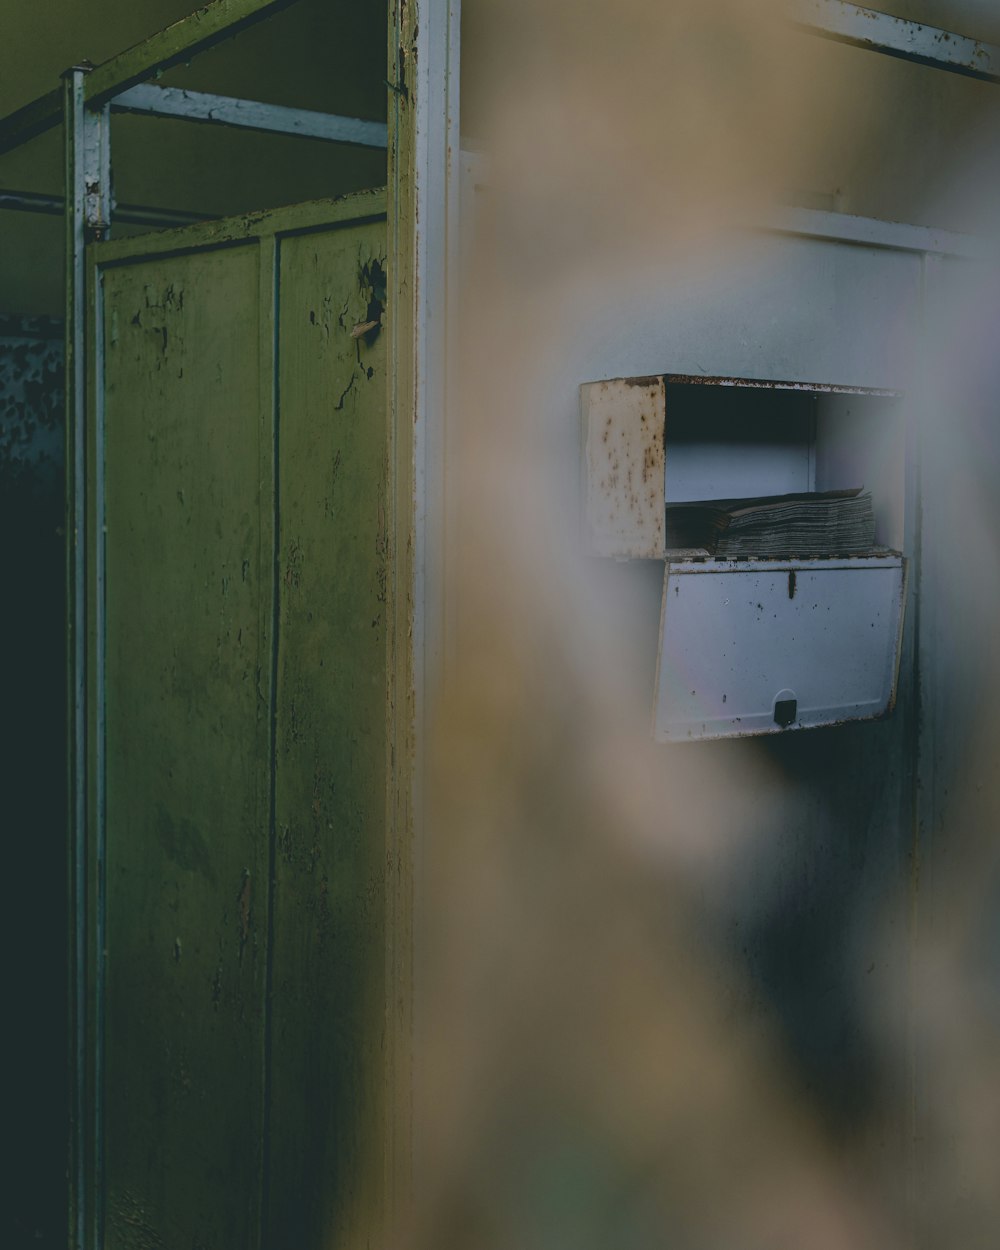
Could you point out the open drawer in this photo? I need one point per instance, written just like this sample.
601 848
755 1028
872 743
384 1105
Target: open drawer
756 647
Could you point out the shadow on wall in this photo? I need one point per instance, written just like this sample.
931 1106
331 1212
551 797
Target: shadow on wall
33 805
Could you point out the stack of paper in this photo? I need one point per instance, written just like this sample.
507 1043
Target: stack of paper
816 523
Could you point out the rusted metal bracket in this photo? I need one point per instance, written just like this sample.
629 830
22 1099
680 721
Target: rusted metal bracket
88 156
909 41
96 154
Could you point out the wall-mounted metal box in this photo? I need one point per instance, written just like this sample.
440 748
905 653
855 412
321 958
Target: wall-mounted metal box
753 646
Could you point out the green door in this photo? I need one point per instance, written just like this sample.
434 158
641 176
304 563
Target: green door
237 695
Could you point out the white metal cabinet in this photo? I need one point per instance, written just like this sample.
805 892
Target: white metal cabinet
752 646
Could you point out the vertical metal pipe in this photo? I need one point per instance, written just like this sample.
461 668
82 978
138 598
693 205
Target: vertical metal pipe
87 210
96 754
75 192
423 159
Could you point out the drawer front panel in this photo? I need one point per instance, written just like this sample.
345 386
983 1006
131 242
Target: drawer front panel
760 647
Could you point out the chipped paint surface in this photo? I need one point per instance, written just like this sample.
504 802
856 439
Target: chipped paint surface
768 384
328 943
186 669
863 27
247 599
31 402
624 463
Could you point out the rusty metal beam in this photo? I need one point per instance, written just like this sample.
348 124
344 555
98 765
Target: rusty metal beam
909 41
220 110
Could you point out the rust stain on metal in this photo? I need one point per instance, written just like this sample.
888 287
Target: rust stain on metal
624 459
770 384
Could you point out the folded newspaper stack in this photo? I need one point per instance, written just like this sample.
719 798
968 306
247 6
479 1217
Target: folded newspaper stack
816 523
